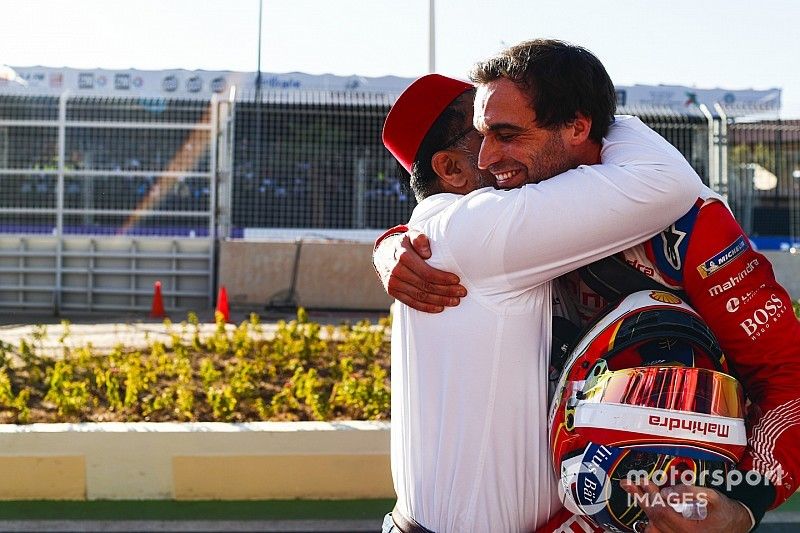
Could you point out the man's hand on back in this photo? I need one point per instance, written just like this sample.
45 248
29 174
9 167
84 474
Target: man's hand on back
400 263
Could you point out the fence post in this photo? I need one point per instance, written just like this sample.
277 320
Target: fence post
722 144
713 154
213 135
224 170
62 150
359 190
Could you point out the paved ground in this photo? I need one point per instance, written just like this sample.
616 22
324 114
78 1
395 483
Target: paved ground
773 523
105 332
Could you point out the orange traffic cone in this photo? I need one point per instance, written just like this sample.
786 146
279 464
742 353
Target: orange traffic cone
157 309
222 304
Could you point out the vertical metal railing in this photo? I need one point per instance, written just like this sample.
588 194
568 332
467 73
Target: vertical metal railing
59 233
714 180
764 170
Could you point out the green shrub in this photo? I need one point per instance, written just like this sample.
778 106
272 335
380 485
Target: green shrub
305 372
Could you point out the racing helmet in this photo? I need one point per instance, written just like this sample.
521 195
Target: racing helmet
645 394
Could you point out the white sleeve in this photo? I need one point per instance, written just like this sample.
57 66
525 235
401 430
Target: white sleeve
506 241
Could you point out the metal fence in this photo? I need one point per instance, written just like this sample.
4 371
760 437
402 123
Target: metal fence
763 177
314 160
106 166
75 172
297 160
687 131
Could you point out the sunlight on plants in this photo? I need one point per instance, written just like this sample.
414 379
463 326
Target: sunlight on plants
305 371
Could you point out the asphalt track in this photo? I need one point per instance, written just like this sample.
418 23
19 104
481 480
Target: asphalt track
777 522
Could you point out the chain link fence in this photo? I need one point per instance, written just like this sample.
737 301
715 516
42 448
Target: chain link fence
763 172
94 166
314 160
299 162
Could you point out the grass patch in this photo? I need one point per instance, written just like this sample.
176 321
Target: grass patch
195 510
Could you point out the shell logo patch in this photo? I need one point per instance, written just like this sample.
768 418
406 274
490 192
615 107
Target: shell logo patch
665 297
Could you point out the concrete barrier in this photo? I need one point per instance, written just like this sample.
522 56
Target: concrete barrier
310 273
339 275
196 461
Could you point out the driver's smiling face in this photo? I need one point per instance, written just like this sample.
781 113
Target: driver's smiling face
515 149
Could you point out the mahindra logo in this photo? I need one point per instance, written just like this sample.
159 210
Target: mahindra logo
733 280
641 267
693 426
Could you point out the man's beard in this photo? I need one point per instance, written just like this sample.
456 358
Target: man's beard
551 160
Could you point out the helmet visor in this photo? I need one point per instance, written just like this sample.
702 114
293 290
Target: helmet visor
694 390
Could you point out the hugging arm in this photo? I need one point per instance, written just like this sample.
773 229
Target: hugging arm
650 163
399 260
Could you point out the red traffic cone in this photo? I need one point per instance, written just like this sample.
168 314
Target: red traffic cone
222 304
157 309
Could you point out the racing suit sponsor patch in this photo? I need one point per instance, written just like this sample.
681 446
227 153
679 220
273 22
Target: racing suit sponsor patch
733 303
733 280
665 297
769 312
671 239
724 258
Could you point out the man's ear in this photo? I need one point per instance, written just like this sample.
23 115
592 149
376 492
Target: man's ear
578 130
448 169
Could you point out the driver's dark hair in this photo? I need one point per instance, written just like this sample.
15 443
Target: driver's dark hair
560 80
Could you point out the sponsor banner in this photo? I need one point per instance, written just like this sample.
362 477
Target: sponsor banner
197 83
724 258
681 98
48 81
782 243
654 422
291 234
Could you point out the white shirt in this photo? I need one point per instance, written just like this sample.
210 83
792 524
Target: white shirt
469 385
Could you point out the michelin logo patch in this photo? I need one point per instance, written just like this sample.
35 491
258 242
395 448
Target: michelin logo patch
723 259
